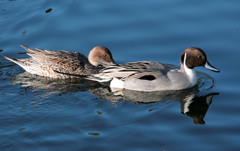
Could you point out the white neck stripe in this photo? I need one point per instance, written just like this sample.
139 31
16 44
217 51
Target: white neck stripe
191 73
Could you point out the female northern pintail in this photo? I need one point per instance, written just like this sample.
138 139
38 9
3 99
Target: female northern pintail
63 64
154 76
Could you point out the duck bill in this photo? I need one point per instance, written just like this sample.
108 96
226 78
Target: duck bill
210 67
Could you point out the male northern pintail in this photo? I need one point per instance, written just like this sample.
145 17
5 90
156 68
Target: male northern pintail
63 64
154 76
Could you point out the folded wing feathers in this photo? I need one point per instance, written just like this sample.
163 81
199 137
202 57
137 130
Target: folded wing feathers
127 70
61 59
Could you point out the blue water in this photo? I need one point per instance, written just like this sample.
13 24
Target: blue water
38 113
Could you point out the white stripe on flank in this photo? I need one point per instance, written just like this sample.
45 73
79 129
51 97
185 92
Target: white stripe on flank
116 83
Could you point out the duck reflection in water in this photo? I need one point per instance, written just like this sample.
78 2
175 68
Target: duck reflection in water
48 86
197 107
194 101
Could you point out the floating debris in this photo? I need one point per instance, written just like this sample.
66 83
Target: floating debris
99 112
48 10
95 134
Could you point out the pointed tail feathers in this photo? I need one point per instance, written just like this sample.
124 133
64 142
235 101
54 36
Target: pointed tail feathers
11 59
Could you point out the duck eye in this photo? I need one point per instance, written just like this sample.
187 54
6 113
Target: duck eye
199 56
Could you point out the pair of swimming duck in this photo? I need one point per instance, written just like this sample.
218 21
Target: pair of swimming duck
100 66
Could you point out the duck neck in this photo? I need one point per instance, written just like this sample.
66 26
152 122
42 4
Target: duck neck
191 73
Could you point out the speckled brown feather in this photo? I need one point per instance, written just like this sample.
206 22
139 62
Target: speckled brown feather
56 64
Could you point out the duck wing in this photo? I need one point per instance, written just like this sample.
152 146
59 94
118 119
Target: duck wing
141 70
62 61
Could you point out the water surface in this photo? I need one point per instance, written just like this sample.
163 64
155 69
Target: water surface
39 113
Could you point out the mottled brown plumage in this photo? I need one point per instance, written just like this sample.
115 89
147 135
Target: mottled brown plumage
63 64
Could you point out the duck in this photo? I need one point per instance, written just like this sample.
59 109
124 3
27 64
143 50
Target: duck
63 64
155 76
